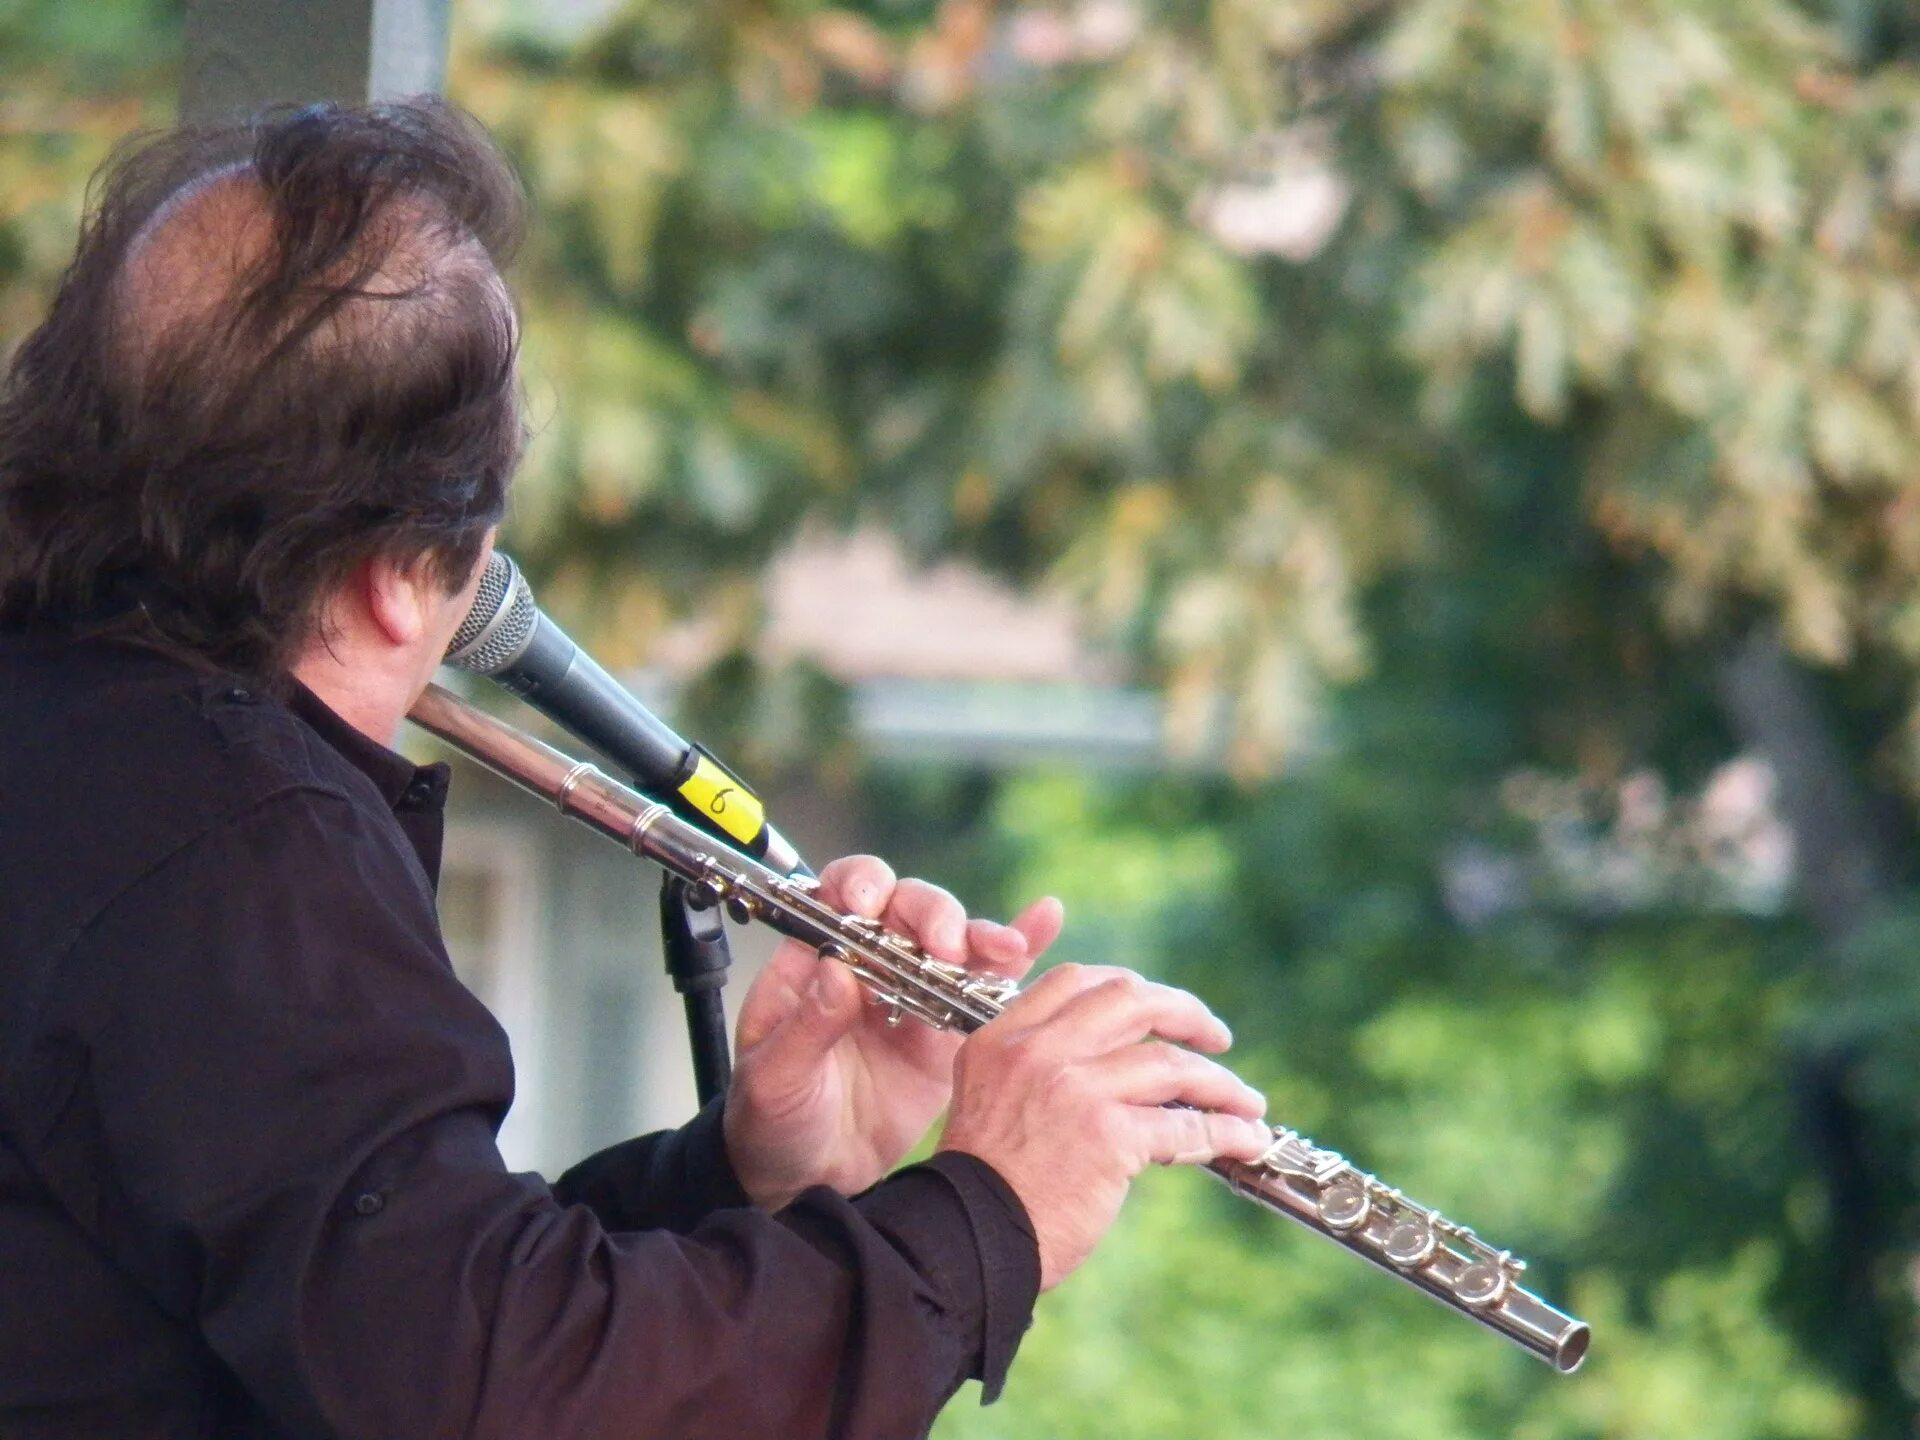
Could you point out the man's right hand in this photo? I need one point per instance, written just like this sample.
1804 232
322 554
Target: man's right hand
1063 1093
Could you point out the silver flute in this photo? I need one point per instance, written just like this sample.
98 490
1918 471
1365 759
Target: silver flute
1317 1188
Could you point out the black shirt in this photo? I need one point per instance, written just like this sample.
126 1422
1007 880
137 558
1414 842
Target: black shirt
248 1180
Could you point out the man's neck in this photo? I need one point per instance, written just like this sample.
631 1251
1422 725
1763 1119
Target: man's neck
377 642
373 708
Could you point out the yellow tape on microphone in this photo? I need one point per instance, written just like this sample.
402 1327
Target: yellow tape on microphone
725 801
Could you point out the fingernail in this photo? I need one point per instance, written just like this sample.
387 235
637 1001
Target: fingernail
1255 1098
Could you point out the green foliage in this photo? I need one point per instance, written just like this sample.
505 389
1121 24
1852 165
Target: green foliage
1202 313
73 80
1617 1095
101 48
1629 1131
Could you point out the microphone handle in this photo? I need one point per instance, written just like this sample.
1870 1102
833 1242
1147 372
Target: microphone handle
567 685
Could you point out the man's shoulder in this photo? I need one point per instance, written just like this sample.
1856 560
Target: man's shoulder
124 720
116 758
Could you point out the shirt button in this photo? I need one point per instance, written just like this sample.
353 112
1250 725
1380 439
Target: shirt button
418 794
369 1203
240 695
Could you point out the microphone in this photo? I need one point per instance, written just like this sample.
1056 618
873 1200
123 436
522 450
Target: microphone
507 637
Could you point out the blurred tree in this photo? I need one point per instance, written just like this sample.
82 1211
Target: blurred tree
1591 1062
1588 332
1085 290
73 80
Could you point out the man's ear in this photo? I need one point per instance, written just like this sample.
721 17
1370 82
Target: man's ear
397 598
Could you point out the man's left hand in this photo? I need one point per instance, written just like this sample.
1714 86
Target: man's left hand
824 1091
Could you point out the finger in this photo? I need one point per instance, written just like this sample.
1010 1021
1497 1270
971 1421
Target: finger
1166 1075
1040 923
931 916
1193 1137
999 948
779 986
1127 1008
1039 1002
830 1007
860 884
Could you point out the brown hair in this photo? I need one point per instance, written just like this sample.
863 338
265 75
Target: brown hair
198 454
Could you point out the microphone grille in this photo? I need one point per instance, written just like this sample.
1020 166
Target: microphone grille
499 623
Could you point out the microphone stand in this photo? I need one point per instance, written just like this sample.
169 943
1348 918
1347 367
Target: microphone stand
695 941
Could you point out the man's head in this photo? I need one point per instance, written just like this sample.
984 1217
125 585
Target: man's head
282 355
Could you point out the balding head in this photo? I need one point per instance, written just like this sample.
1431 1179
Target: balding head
187 266
283 348
203 269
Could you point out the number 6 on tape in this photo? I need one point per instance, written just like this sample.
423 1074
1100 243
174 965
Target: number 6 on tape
733 807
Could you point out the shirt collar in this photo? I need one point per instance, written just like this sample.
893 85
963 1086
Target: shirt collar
402 784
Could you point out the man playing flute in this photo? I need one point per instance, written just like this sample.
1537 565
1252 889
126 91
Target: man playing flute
251 466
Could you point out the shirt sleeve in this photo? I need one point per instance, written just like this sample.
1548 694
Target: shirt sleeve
671 1180
271 1101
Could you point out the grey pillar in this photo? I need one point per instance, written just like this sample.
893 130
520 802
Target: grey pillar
243 54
